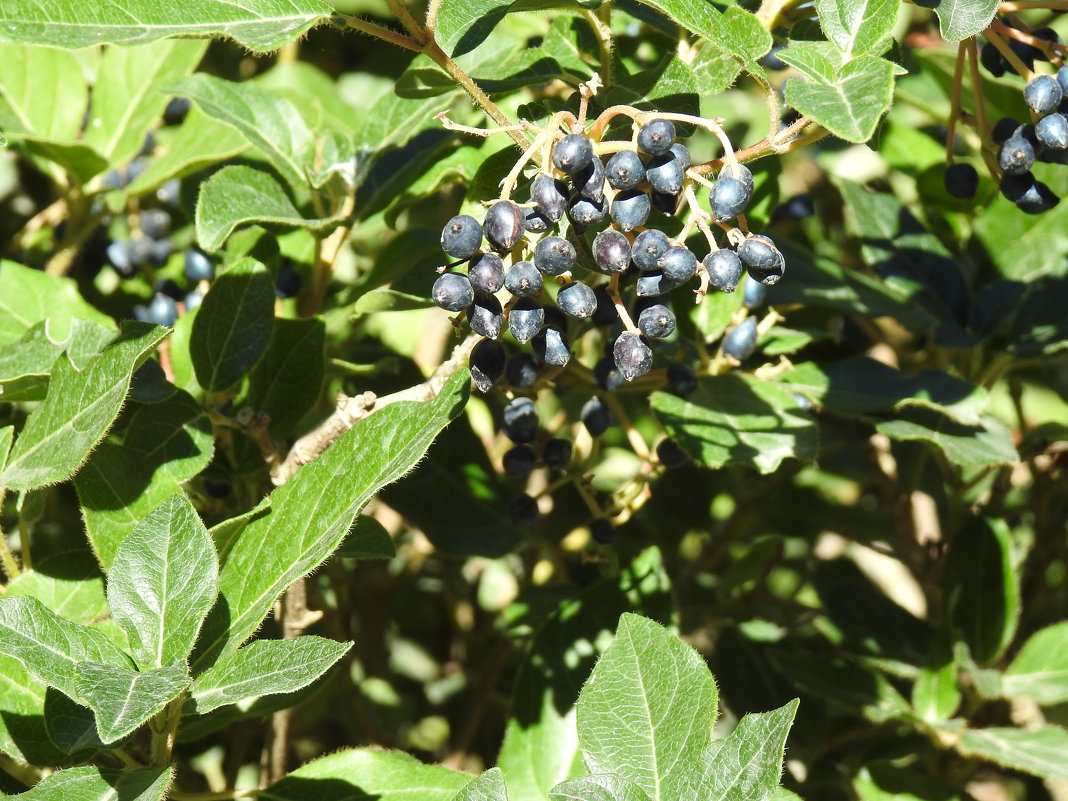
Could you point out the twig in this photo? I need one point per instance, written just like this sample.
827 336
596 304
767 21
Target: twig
603 31
407 20
377 31
996 39
954 109
350 410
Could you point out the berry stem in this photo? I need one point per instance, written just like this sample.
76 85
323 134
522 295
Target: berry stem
602 29
401 12
431 23
980 108
637 444
449 125
999 42
1049 48
377 31
1023 5
712 125
954 109
617 301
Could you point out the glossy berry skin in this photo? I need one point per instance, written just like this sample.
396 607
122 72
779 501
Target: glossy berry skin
754 293
606 374
602 530
656 321
669 454
520 420
523 510
487 364
118 254
155 223
192 300
625 170
556 452
665 175
1043 94
647 249
486 273
573 153
656 137
525 320
729 198
461 237
453 292
554 255
961 180
550 195
763 260
551 346
739 172
521 370
1052 131
633 357
724 269
595 416
503 225
589 182
288 282
535 222
1016 155
523 279
1037 199
162 310
611 252
577 300
682 155
585 212
681 379
630 209
650 285
666 204
741 341
519 461
140 251
772 60
990 57
486 317
1003 129
678 264
198 267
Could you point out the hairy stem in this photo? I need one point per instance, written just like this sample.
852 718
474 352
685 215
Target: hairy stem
377 31
602 29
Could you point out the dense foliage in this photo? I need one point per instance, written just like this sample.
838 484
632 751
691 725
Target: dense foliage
612 400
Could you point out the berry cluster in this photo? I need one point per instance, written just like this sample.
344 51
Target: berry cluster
1020 146
580 258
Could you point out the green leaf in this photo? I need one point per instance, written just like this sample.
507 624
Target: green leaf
881 781
1039 327
1040 670
70 584
287 381
233 324
49 646
127 97
311 513
714 313
163 582
88 783
487 787
1041 752
747 763
123 699
982 599
25 365
715 70
541 742
736 418
7 435
843 684
935 693
860 385
78 410
357 774
367 539
174 436
960 19
200 142
605 787
267 25
116 489
23 734
857 27
267 120
43 92
646 713
740 34
848 100
29 296
238 195
988 443
264 667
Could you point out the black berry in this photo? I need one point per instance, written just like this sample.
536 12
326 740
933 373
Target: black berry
519 461
681 379
486 316
648 247
577 300
521 370
611 252
551 347
486 273
630 209
556 452
656 137
633 357
550 195
572 153
523 279
461 237
487 364
656 321
764 261
554 255
453 292
625 170
724 269
520 420
595 416
503 225
741 341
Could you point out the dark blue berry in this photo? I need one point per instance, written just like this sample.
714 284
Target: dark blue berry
486 316
665 175
633 357
198 267
589 182
1062 79
453 292
961 180
681 379
534 222
550 195
461 237
523 279
1052 131
162 310
602 530
656 137
521 370
605 313
763 260
611 252
991 58
648 247
799 207
1003 129
1016 155
595 416
666 204
551 346
523 510
682 155
487 364
669 454
1038 199
577 300
520 420
554 255
155 223
288 282
486 273
519 461
656 321
630 209
729 198
556 452
625 170
678 264
584 212
169 193
741 341
772 60
607 375
503 225
525 319
724 269
754 293
650 285
192 300
573 153
118 254
1043 94
176 110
